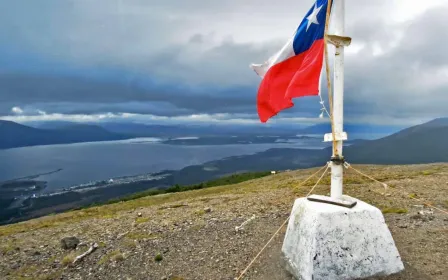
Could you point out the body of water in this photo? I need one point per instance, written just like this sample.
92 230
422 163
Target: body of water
85 162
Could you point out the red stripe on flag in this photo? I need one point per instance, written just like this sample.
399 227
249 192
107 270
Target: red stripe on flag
297 76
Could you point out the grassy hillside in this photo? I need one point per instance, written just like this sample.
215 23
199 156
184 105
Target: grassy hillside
223 181
191 234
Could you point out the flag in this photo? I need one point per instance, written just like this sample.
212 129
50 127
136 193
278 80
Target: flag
295 70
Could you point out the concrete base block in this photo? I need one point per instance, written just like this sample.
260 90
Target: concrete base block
325 241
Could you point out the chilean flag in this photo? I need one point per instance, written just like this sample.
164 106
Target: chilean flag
295 70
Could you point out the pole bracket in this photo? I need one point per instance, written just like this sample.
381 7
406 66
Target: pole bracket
340 136
338 41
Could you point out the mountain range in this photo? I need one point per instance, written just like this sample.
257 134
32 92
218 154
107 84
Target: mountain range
425 143
352 129
16 135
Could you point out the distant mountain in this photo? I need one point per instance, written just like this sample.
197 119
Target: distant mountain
50 124
174 130
185 130
143 130
196 130
351 129
15 135
423 143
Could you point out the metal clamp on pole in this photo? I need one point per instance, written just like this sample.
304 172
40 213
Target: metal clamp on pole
338 159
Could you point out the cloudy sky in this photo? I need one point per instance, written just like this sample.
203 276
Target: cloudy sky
188 61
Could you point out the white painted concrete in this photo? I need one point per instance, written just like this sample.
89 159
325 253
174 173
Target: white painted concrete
325 241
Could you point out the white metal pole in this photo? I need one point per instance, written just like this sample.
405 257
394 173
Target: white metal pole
338 99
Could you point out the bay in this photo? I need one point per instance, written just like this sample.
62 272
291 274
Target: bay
87 162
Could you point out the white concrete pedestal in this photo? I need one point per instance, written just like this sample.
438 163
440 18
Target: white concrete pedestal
325 241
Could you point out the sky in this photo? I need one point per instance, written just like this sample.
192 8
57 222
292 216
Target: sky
176 61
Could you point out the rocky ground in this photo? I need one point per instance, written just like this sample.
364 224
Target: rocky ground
193 235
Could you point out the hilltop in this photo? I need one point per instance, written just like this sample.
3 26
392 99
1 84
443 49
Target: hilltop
16 135
191 235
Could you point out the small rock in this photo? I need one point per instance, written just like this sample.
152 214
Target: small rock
423 212
68 243
36 253
207 210
139 214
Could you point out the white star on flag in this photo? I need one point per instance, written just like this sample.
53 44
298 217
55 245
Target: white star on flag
312 18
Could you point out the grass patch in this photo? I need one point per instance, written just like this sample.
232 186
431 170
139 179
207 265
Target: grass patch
141 220
394 210
112 256
7 247
139 235
200 212
25 272
428 172
196 227
52 259
51 276
118 257
108 216
68 259
412 195
128 243
173 206
158 257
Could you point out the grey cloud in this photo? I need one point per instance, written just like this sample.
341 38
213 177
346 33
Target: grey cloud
396 83
181 45
19 90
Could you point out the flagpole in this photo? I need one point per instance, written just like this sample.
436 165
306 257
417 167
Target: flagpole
310 221
337 167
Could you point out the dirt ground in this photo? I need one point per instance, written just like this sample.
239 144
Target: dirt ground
192 235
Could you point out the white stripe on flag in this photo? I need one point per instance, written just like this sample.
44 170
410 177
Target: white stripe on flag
287 51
